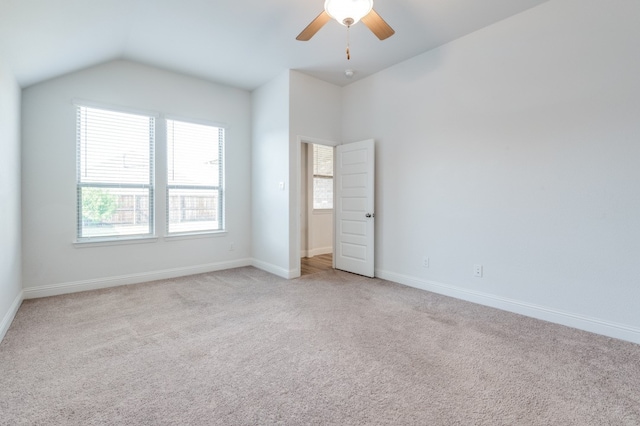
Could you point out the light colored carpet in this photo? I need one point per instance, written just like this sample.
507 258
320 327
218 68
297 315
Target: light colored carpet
242 347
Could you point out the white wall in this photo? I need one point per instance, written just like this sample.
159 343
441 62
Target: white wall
316 116
52 264
316 108
291 108
320 233
10 251
517 148
270 168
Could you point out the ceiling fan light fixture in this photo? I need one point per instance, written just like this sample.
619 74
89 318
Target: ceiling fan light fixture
348 12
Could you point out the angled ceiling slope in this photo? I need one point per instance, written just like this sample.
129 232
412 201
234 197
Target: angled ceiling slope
242 44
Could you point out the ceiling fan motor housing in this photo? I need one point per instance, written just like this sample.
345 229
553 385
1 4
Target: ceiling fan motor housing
348 12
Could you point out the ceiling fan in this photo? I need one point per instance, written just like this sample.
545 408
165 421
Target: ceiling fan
348 13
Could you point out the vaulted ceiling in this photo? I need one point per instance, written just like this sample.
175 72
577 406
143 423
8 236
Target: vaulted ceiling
243 43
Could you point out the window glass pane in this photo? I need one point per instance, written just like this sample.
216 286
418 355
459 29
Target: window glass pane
322 177
194 184
193 154
114 173
322 193
322 160
113 147
114 211
193 210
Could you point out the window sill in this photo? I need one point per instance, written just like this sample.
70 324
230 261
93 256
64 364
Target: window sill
322 211
98 242
189 236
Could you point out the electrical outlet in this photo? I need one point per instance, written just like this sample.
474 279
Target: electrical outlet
425 262
232 247
477 271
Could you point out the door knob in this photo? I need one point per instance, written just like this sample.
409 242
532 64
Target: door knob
369 215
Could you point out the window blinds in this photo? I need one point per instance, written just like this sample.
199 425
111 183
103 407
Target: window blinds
195 175
322 177
322 160
114 173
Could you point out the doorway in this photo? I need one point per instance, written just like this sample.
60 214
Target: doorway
316 207
353 233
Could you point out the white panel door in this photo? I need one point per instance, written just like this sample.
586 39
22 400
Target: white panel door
354 224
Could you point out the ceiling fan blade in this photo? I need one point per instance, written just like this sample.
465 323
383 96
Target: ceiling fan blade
314 26
377 25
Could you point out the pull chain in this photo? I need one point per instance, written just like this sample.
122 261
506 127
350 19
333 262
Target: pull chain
348 53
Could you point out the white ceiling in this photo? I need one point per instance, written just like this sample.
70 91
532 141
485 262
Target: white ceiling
243 43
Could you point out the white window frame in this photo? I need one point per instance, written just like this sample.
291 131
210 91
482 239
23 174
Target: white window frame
220 188
150 187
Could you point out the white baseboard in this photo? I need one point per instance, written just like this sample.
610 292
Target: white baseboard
317 251
581 322
276 270
10 315
94 284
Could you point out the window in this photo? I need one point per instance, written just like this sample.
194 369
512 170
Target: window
322 177
114 174
195 177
